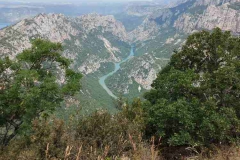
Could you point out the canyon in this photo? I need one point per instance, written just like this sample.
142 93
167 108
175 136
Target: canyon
96 43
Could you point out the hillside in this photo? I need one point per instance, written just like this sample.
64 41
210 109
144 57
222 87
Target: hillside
95 42
153 81
191 112
164 29
92 41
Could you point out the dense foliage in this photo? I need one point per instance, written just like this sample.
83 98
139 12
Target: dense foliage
97 136
33 86
195 99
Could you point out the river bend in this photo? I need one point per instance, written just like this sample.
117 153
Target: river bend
117 67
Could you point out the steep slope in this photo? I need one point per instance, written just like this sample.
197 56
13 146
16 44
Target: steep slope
189 16
135 77
92 41
222 15
14 39
95 42
164 30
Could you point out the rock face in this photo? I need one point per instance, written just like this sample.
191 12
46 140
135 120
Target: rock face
107 23
74 33
56 28
144 32
165 29
222 16
186 16
213 2
144 71
139 70
94 41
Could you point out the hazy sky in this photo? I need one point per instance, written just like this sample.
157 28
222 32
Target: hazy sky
75 1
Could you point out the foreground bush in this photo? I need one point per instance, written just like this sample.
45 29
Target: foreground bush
30 86
195 99
98 136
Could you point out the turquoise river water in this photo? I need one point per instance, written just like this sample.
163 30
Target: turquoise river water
102 79
117 67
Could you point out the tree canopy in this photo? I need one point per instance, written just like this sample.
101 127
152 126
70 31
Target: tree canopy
33 85
195 99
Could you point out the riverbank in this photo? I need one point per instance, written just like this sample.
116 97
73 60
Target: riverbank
117 67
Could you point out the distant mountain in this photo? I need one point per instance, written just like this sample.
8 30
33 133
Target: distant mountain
92 41
95 42
16 11
165 29
165 2
169 3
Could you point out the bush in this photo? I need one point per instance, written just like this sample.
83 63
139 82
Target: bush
97 136
195 99
29 86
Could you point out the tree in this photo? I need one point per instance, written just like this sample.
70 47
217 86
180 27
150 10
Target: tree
195 99
33 85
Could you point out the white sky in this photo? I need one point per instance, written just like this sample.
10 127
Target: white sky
74 1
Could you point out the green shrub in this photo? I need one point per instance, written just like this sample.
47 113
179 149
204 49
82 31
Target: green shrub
29 87
195 99
97 136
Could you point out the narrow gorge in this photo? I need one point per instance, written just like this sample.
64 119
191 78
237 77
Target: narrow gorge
117 67
99 45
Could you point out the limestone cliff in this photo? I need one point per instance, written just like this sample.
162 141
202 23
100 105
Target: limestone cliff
222 16
139 71
94 41
78 35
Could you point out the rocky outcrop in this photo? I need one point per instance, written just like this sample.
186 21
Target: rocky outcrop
54 27
213 2
222 16
141 70
147 30
151 26
74 33
188 16
111 49
94 40
16 38
91 64
107 23
185 23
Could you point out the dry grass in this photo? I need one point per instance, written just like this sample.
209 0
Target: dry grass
102 137
227 153
139 151
219 153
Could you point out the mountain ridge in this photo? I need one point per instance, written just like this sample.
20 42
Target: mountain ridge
94 42
165 29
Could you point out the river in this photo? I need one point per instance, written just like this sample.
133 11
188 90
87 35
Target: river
117 67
